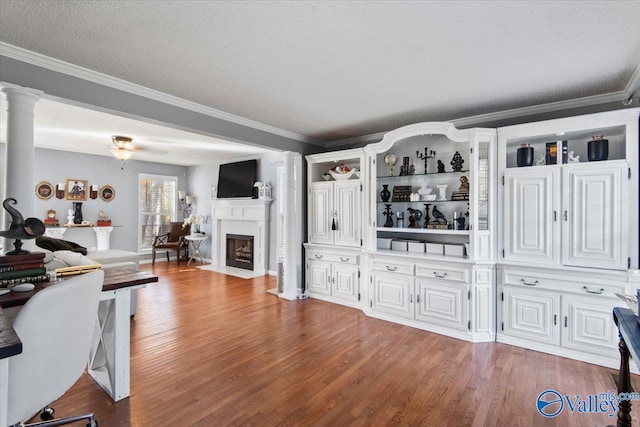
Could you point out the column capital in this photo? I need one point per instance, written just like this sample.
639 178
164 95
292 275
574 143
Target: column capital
20 97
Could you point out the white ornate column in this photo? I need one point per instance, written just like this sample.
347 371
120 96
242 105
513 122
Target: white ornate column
19 171
290 276
103 234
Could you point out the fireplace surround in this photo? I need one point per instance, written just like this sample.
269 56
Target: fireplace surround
247 217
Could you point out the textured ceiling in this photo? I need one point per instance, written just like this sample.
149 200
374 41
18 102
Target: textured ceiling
334 70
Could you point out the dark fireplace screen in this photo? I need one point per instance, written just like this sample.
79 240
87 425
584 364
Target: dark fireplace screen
240 251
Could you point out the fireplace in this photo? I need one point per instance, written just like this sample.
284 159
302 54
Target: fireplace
240 251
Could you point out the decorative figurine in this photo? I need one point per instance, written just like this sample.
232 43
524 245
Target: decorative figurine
459 220
389 214
415 215
440 166
463 191
428 154
412 169
572 158
70 217
540 160
404 169
438 216
20 228
456 162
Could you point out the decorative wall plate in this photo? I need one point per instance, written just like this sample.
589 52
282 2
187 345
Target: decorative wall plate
44 190
107 193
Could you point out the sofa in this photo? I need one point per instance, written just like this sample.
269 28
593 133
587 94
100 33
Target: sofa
63 253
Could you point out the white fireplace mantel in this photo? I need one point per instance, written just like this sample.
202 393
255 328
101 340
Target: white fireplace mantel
241 216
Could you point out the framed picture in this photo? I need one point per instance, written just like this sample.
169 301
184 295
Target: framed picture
76 189
107 193
44 190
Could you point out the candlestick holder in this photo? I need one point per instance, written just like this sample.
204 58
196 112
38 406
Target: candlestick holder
428 154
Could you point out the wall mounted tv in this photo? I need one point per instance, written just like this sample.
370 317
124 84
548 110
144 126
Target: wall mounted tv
237 179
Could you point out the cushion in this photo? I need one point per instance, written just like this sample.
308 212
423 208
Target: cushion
113 256
58 244
72 259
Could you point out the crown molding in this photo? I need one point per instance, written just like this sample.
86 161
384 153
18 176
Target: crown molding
63 67
587 101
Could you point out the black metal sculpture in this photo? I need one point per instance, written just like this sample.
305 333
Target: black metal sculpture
20 229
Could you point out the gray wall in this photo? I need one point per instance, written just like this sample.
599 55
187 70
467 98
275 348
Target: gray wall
202 177
56 166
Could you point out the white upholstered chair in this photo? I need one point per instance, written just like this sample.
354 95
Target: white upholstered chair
56 327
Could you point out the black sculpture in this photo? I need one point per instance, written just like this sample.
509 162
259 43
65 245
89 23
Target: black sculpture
20 229
415 215
440 166
456 162
439 216
389 214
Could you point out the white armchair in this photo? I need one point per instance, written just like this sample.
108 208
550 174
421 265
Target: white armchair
56 327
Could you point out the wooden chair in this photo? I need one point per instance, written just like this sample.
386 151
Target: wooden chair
172 241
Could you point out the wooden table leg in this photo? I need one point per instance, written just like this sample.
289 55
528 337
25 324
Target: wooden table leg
624 386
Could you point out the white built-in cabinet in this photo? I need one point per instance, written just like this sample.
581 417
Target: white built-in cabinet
568 240
332 262
442 279
335 219
546 247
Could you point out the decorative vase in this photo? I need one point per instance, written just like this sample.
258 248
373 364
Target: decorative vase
525 155
385 193
598 148
77 212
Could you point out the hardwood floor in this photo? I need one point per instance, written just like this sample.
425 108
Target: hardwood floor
214 350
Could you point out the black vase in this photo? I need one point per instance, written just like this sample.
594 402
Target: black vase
598 149
77 213
525 156
385 193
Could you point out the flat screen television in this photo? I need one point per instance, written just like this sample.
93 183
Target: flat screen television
237 179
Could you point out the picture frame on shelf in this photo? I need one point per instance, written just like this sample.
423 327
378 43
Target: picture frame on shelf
76 189
107 193
44 190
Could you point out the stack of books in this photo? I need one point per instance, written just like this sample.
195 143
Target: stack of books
26 268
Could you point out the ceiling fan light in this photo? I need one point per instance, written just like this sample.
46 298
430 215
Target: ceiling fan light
122 153
123 142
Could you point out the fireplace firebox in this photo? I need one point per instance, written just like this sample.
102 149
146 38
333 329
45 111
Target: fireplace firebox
240 251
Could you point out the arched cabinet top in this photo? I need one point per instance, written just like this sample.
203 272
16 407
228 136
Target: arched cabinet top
430 128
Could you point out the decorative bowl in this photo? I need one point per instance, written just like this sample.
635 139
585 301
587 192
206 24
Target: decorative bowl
430 197
344 176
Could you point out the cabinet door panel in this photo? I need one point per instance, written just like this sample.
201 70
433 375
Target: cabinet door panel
318 273
443 303
589 325
320 213
345 281
594 215
393 294
532 315
530 212
347 207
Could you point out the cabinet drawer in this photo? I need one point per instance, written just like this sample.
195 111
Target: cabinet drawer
342 258
446 273
393 266
586 286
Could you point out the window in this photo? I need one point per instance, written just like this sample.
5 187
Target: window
157 207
